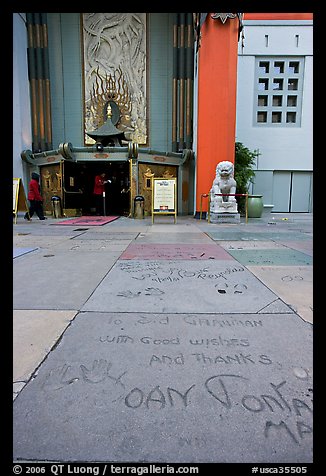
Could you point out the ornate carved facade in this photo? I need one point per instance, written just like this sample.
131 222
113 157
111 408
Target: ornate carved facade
115 71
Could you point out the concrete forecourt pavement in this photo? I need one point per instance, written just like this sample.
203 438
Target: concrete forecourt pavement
184 342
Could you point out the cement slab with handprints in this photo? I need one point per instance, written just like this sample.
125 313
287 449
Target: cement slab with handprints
176 388
272 257
179 286
293 284
175 251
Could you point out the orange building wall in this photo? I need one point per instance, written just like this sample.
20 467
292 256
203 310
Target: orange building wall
217 81
278 16
217 84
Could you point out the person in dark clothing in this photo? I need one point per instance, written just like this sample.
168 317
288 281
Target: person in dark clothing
35 198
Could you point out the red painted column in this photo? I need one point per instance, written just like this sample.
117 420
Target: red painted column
217 84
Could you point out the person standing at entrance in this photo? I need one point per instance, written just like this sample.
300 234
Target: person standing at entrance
35 198
99 189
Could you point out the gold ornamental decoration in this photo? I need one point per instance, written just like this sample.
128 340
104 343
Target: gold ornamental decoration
109 93
223 16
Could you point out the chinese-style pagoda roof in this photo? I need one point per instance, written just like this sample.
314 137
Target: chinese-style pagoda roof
107 133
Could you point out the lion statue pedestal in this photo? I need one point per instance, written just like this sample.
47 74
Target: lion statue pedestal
224 209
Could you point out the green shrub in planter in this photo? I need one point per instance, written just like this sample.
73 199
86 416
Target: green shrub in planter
244 173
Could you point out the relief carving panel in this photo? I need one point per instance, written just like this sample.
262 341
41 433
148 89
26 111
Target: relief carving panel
115 70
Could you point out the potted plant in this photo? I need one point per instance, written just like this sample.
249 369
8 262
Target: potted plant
244 173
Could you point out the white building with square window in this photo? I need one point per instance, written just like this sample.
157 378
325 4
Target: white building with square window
275 109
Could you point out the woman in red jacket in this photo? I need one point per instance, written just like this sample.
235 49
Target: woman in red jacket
35 198
99 189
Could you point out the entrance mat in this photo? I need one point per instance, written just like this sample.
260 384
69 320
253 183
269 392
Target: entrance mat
89 221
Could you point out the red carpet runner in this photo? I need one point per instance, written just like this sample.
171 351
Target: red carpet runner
87 221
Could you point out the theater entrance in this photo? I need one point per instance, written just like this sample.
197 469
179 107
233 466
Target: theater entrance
78 183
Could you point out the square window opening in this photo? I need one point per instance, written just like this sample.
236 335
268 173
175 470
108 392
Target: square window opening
276 117
278 84
262 100
294 67
292 84
261 116
277 100
291 117
262 84
292 101
264 67
278 67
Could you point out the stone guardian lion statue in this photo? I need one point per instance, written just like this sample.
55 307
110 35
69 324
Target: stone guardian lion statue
223 183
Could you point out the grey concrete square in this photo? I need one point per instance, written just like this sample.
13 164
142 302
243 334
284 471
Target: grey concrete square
21 251
58 280
272 257
41 229
34 334
293 284
305 246
39 241
227 235
175 251
176 238
177 388
110 236
291 235
271 234
179 286
103 246
249 245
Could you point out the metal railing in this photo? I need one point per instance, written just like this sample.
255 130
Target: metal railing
208 195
